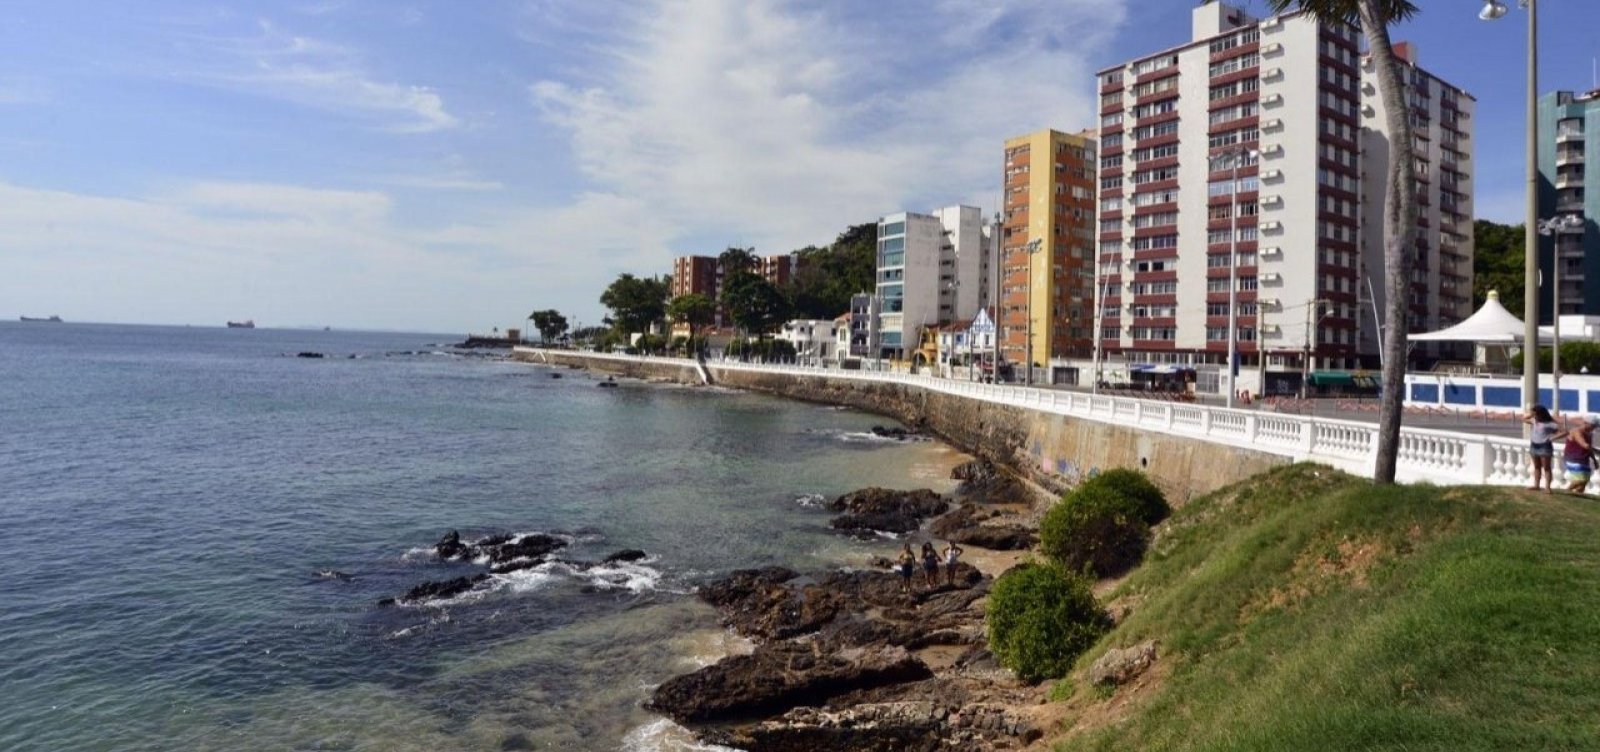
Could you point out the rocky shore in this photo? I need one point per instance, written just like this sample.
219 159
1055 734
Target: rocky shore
848 660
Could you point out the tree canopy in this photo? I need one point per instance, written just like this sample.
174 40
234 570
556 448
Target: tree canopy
636 302
756 305
693 309
550 323
829 275
1497 264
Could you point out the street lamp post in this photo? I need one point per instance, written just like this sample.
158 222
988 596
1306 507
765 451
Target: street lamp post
1494 9
1554 227
1236 155
994 272
1032 248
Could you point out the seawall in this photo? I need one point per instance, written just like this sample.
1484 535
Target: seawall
1051 449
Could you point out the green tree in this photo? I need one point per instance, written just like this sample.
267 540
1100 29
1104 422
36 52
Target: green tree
1041 617
1497 264
1400 205
756 305
737 262
550 323
636 302
826 277
695 310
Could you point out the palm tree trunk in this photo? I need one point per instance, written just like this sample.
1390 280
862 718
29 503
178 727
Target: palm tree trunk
1400 219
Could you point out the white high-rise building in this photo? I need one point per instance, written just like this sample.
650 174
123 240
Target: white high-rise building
1259 137
932 269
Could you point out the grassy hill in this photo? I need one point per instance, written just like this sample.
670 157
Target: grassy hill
1305 609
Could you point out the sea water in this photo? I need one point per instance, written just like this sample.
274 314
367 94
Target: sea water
169 496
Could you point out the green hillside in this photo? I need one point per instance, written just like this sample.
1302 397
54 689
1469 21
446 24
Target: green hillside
1305 609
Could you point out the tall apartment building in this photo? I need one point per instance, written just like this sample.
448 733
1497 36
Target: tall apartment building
1441 265
1047 247
1265 138
1569 152
932 269
780 270
698 275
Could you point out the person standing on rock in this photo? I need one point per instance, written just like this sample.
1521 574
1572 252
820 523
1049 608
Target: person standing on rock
930 565
952 555
906 564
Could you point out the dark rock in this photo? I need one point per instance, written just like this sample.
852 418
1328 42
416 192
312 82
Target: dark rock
516 742
309 355
885 509
743 584
778 677
532 546
443 589
498 539
629 554
450 547
982 482
894 432
965 526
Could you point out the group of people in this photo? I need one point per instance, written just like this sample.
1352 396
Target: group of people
1577 453
907 564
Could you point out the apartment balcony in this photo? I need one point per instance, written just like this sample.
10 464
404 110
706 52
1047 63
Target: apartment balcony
1568 155
1567 134
1569 179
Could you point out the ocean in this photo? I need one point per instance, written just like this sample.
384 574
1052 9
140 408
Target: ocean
168 496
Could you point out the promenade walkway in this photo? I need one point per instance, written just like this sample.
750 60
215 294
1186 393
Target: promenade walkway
1347 441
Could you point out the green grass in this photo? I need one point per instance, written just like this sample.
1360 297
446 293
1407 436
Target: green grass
1305 610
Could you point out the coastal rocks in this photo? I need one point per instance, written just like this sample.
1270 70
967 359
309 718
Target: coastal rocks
435 590
982 482
505 553
886 510
1122 665
780 676
972 525
916 726
895 432
625 555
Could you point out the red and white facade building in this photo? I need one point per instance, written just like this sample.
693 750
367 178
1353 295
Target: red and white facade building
1276 117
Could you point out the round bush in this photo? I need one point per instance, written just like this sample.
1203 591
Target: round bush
1133 484
1041 618
1095 530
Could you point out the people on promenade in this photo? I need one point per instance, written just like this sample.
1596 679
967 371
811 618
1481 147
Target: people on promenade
1541 444
952 555
1578 453
906 564
930 565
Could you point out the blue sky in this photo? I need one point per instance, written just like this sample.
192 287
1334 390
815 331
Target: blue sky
450 166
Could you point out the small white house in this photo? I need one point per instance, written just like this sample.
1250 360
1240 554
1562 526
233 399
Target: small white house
814 340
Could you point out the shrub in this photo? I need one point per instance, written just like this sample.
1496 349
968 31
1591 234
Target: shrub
1041 618
1133 484
1095 530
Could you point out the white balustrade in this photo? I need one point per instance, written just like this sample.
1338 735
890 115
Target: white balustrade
1438 456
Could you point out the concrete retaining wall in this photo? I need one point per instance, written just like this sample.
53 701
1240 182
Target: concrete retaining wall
1055 451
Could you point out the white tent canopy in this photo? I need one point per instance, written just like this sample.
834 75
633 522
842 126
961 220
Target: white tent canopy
1492 324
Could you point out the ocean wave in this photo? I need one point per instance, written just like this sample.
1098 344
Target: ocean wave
662 735
810 500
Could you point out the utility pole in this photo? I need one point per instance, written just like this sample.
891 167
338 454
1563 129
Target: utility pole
1313 320
1032 249
994 271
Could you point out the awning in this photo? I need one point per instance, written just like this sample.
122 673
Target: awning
1332 378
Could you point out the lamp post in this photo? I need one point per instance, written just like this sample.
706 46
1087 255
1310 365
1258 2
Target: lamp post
994 272
1554 227
1236 155
1492 10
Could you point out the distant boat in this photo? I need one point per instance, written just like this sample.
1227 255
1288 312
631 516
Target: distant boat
46 320
251 324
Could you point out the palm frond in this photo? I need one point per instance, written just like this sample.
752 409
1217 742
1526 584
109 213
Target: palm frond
1347 11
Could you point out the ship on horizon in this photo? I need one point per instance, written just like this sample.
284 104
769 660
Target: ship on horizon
45 320
246 324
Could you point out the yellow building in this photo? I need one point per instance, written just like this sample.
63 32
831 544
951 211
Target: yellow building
1047 247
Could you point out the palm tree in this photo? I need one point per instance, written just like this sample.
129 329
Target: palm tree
1400 206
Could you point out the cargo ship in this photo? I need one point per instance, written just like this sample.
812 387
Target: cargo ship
45 320
248 324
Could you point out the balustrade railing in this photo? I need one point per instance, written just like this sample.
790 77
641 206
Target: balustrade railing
1425 455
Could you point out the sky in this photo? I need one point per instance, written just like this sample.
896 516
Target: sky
452 166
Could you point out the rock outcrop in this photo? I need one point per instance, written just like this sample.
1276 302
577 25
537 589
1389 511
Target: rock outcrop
886 510
1122 665
780 676
972 525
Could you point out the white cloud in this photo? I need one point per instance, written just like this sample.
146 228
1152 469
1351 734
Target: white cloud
779 125
314 73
